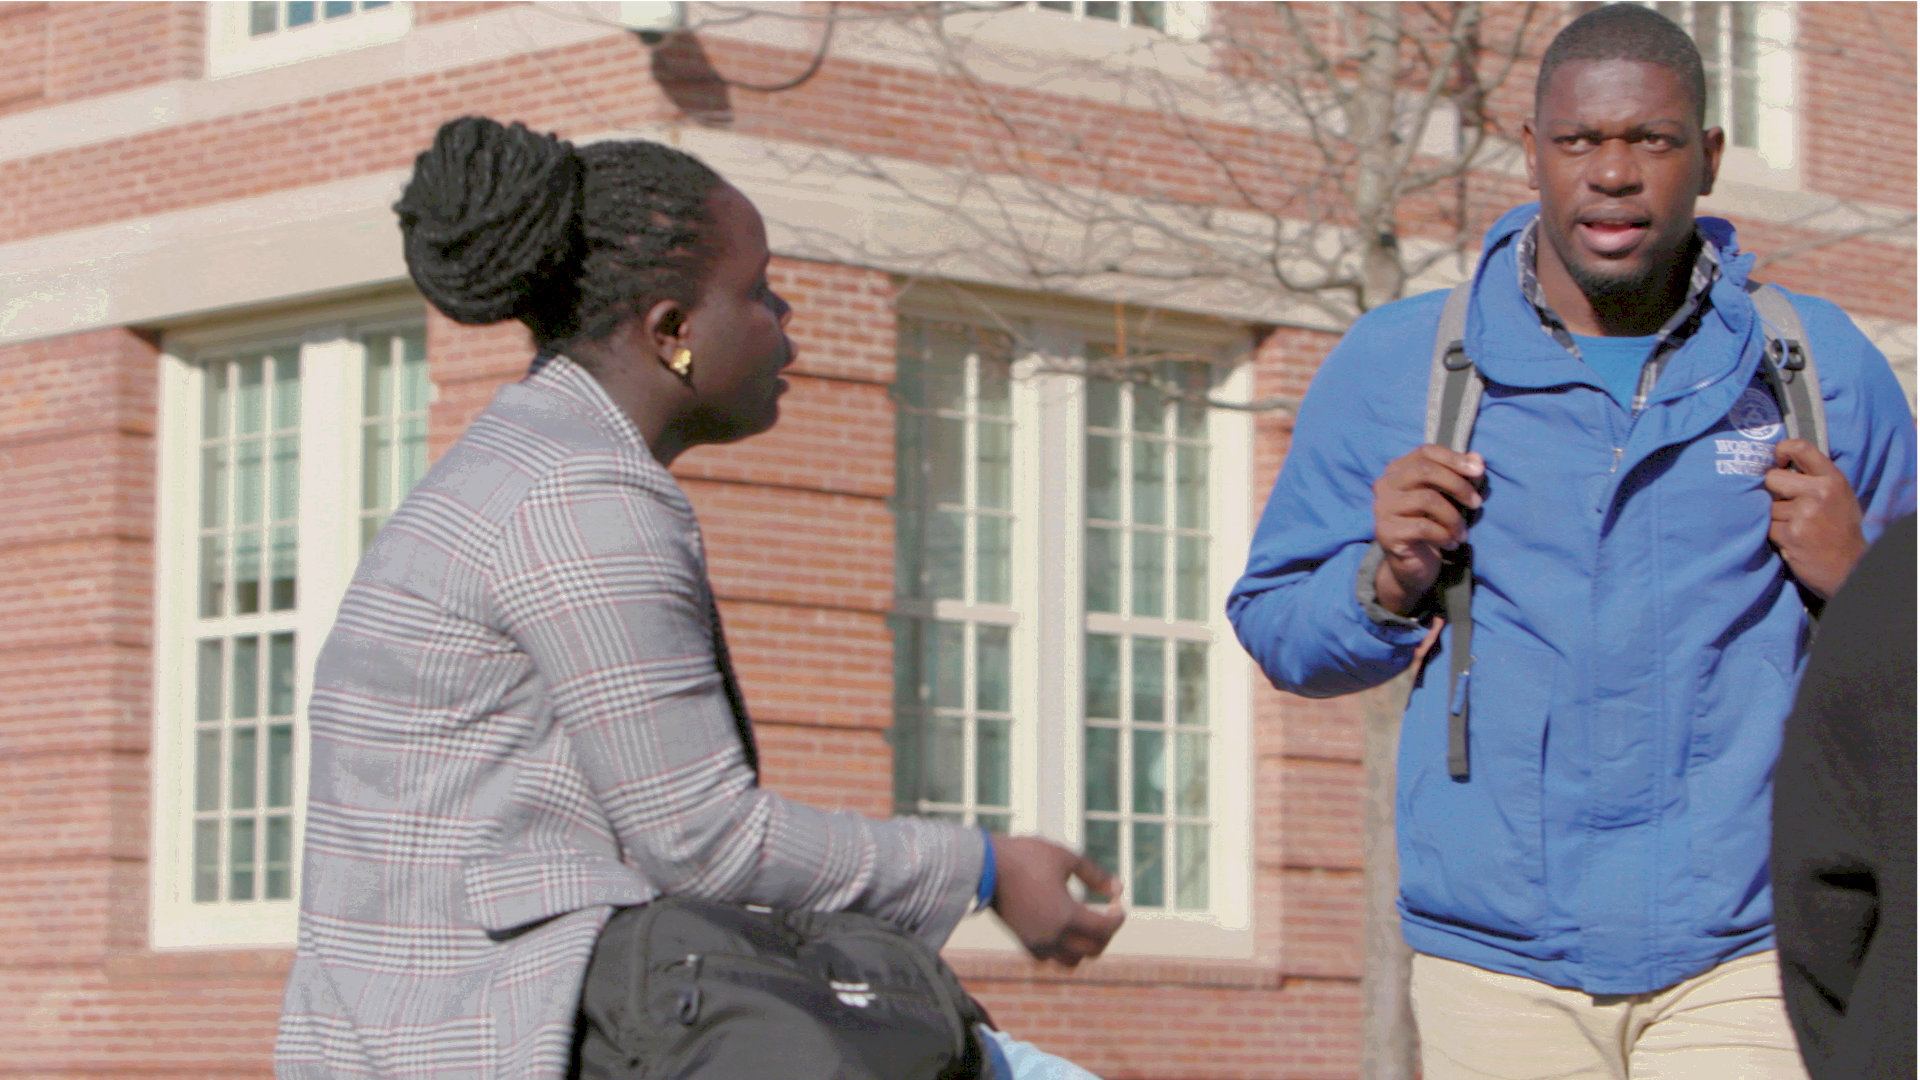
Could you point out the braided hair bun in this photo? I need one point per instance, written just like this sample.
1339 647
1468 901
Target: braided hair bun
491 223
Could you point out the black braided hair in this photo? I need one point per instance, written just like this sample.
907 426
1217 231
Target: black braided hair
503 223
1627 32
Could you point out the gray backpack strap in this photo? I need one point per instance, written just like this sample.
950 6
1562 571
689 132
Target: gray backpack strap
1453 400
1788 369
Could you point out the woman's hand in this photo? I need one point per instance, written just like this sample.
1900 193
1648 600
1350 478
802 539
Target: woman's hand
1030 896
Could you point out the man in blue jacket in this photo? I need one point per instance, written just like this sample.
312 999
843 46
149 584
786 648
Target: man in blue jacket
1592 899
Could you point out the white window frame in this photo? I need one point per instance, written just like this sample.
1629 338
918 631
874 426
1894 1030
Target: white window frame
233 50
1186 20
1774 159
1050 621
331 369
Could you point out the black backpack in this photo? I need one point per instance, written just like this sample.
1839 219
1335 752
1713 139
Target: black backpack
1453 400
702 990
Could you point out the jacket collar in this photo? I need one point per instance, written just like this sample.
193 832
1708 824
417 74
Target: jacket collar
1509 342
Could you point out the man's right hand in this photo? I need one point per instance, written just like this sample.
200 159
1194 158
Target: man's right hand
1420 507
1030 896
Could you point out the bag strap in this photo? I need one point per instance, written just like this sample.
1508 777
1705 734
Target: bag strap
1787 367
1453 400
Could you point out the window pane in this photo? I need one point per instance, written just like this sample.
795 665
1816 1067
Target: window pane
285 503
1149 483
1191 886
263 18
376 386
1103 404
948 662
413 454
995 470
280 675
249 482
992 763
245 767
1103 846
1746 98
996 386
284 592
1103 769
1149 771
1103 569
907 759
206 861
943 768
213 487
416 389
995 823
286 388
1190 677
280 858
1103 9
1103 676
993 664
246 678
993 559
1191 487
909 540
208 704
214 402
299 12
1149 573
334 9
250 415
240 859
376 466
213 576
206 771
1149 864
1150 13
946 543
280 765
1149 409
1190 774
1190 574
945 376
1149 680
946 461
1103 477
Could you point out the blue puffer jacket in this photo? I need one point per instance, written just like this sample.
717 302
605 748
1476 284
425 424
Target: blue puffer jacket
1636 638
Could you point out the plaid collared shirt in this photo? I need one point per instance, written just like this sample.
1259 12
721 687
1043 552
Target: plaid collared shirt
1685 320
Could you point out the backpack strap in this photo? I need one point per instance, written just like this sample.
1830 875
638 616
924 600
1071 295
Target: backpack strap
1453 400
1787 367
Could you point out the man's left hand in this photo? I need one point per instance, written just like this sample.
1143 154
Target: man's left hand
1816 518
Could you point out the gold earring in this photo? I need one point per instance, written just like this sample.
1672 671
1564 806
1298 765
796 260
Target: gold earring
682 363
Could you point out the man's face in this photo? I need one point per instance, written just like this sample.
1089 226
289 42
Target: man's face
1618 157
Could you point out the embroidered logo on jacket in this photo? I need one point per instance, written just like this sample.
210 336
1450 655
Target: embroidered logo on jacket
1757 416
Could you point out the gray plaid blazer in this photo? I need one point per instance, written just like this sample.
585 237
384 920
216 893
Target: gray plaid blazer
524 716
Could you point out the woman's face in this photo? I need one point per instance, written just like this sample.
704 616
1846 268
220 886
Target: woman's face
736 330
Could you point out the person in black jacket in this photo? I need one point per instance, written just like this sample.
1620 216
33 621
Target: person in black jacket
1843 828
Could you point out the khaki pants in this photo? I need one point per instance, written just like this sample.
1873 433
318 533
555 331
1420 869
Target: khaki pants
1727 1024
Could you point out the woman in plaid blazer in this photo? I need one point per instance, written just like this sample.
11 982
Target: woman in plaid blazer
525 716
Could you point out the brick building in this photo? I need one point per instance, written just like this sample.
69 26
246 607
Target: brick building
958 579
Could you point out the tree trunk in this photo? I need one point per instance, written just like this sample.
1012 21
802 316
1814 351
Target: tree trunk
1389 1045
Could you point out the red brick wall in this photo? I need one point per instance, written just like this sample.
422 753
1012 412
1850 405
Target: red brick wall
1857 119
53 53
797 522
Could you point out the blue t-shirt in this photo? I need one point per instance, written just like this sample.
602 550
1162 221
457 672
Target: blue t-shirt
1617 361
